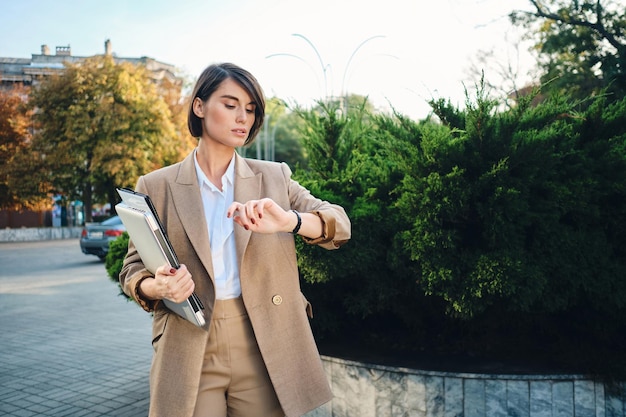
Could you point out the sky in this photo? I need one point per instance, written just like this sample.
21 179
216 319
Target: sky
398 53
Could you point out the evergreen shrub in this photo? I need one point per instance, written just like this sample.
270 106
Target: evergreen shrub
492 234
114 259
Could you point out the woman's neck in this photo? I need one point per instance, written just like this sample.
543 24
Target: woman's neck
214 161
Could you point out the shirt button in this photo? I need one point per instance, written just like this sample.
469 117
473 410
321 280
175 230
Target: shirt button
277 300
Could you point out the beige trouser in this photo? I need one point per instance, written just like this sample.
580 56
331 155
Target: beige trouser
234 381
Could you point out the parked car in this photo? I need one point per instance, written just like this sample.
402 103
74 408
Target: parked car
95 237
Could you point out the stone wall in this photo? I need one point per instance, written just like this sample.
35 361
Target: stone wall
26 234
363 390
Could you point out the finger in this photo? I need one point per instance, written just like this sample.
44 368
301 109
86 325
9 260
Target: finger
260 209
182 275
165 270
242 216
188 290
250 209
181 271
184 291
233 208
266 207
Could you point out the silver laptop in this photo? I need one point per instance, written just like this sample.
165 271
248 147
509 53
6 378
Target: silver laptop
150 239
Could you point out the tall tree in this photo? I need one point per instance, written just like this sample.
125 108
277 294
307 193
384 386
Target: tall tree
15 135
581 45
178 104
100 125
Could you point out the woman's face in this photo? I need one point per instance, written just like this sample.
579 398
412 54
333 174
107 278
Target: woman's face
227 115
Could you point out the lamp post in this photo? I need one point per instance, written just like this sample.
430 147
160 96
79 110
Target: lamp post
326 67
345 71
264 144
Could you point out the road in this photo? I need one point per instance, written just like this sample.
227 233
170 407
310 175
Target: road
70 345
46 267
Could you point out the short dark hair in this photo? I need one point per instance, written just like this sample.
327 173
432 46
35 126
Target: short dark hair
210 80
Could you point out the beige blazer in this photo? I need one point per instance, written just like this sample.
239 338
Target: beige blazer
268 268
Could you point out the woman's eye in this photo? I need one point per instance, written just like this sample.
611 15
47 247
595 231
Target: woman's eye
250 111
229 106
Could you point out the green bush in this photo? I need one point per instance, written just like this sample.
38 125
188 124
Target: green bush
522 209
494 232
115 258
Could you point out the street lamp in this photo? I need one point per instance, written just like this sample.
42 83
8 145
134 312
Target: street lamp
300 59
325 67
345 71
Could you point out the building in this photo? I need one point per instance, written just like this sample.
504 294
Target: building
27 71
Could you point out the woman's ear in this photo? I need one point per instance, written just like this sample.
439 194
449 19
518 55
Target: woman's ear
198 107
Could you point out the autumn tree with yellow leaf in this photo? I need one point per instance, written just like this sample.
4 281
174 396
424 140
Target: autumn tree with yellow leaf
100 125
15 137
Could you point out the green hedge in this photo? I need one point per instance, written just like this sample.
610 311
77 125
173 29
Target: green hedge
115 259
499 233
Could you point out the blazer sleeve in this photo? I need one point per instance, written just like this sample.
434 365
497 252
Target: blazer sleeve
336 228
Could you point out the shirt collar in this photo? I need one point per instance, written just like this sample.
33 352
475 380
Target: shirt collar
227 178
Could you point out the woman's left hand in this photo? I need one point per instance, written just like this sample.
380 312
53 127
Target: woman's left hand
262 216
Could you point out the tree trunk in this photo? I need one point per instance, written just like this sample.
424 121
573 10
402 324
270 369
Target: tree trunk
113 199
87 202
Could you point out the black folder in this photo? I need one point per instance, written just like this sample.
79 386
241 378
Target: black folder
150 239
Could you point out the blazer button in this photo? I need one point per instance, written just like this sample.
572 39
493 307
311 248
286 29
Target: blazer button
277 300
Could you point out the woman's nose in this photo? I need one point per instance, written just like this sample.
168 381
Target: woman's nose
242 116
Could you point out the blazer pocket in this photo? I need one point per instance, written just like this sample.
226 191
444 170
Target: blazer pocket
307 306
159 322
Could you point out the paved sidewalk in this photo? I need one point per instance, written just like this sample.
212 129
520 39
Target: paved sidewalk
69 344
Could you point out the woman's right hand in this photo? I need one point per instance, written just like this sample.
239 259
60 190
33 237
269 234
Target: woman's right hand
174 284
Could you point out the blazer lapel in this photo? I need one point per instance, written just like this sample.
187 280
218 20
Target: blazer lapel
189 207
247 187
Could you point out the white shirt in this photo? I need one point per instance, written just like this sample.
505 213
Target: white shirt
221 231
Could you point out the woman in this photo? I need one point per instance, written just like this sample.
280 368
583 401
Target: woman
231 221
